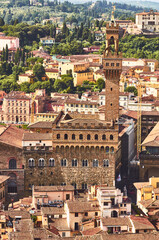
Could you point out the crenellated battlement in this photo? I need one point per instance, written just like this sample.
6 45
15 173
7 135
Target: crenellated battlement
112 26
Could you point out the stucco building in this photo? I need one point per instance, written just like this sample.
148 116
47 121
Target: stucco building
16 107
148 21
12 42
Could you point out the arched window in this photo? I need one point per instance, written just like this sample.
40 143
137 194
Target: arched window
31 162
12 163
95 163
88 137
111 40
107 149
58 136
112 149
81 136
63 162
111 137
74 162
96 137
84 186
103 137
41 162
73 137
65 136
105 163
51 162
84 163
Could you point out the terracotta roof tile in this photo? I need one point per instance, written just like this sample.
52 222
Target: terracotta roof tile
37 136
53 188
92 231
12 136
141 223
41 124
17 95
120 221
77 206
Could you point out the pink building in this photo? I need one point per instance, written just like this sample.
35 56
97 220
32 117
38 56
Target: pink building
52 195
12 42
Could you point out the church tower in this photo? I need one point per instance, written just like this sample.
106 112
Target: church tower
112 66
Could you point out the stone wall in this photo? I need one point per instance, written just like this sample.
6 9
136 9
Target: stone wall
8 152
58 175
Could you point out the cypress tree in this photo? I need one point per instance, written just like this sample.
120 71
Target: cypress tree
6 53
3 55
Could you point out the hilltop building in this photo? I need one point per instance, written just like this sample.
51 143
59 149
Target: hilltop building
12 42
148 21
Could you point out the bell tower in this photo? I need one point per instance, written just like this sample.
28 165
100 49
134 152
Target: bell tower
112 66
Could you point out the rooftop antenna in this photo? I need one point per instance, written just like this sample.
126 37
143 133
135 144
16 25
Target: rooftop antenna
113 10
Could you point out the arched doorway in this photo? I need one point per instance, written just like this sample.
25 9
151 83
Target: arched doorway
12 163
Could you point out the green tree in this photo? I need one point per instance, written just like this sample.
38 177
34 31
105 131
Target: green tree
100 83
6 53
38 71
16 71
1 21
59 85
24 87
131 89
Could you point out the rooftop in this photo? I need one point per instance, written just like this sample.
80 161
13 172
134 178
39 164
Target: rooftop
8 37
140 185
17 95
54 70
141 223
91 231
60 224
3 179
52 210
41 124
78 206
53 188
121 221
153 137
37 136
12 136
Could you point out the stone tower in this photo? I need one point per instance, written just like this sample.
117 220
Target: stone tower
112 66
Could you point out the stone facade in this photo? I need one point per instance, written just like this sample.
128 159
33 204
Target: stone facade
84 151
112 66
9 153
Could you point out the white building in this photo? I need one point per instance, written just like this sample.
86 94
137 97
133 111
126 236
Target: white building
78 105
124 98
146 106
148 21
12 42
112 203
133 62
